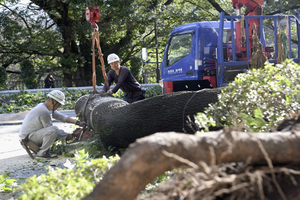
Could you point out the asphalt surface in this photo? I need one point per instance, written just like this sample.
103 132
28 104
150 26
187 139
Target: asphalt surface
12 155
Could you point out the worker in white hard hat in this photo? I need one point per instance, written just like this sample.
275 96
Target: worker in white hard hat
37 125
124 80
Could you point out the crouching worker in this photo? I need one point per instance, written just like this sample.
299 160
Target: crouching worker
37 125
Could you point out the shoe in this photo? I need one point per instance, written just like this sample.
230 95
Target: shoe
47 155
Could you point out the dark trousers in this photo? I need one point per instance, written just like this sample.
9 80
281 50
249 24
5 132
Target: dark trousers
49 85
130 98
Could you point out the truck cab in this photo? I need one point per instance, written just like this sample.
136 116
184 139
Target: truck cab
211 54
189 61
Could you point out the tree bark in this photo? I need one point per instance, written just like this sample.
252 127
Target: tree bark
119 125
149 157
85 104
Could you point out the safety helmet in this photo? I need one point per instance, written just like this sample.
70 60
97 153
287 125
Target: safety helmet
112 58
58 96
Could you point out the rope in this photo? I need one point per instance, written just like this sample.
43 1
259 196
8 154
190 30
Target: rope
258 58
281 56
243 32
82 111
296 19
184 108
287 34
95 37
93 63
100 57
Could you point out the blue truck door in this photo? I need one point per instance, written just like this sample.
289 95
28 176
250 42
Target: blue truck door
178 63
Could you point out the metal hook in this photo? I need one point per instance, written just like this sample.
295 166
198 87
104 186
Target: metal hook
94 26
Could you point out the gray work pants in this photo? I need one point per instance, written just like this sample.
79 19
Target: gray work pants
46 137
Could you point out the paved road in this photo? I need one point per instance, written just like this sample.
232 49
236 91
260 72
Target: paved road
11 152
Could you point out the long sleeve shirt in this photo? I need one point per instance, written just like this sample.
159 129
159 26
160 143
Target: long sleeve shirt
124 81
38 118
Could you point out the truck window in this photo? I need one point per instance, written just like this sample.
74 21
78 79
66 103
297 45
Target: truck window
227 37
179 47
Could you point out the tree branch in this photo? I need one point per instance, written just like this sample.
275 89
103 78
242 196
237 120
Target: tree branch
145 160
17 14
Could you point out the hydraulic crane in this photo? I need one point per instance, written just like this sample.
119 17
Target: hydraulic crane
253 8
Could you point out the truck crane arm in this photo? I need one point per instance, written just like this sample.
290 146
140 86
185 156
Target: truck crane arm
254 7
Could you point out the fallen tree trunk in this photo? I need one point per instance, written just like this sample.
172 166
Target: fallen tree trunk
85 104
119 126
151 156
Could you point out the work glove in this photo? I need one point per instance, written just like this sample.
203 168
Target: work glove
109 93
79 123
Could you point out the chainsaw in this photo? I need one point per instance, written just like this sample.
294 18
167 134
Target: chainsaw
80 134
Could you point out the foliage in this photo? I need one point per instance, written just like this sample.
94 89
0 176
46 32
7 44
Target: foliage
3 78
55 39
24 100
119 94
153 91
73 182
257 100
28 74
38 31
136 63
21 102
165 176
6 184
93 146
280 6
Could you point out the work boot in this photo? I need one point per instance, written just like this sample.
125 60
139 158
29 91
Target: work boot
48 155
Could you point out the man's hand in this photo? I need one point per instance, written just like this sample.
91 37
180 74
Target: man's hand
79 123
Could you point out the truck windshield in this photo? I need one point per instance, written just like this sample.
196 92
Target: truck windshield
179 47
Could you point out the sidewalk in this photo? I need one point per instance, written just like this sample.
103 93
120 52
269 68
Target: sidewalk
12 155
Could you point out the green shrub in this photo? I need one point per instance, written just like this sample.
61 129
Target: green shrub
150 92
73 182
6 183
153 91
24 100
257 100
21 101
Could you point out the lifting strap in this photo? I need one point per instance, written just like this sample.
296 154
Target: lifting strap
287 50
95 36
243 33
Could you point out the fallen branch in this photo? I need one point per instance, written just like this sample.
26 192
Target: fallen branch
146 158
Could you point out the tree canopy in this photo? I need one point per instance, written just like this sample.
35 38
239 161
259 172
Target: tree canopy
55 35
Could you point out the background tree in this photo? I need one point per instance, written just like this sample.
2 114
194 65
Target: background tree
55 35
28 75
3 78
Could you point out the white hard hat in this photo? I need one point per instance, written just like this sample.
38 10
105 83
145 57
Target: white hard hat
58 96
112 58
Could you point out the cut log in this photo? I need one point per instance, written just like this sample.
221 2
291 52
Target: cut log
148 157
119 126
85 104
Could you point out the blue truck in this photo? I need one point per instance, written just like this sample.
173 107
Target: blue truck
204 55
